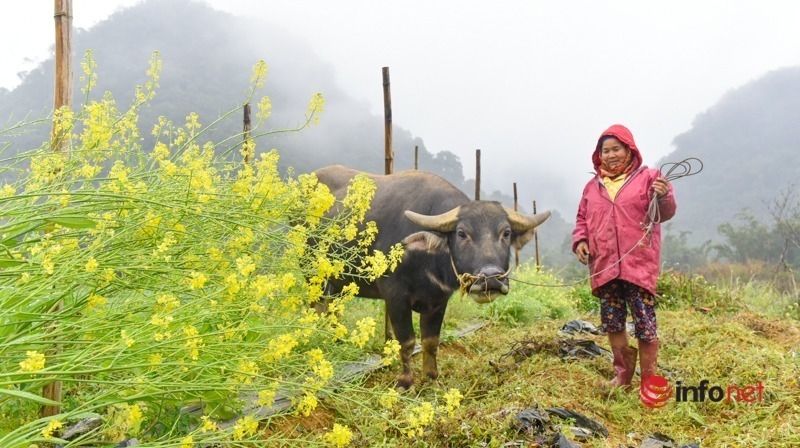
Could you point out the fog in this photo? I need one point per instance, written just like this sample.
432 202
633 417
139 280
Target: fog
530 83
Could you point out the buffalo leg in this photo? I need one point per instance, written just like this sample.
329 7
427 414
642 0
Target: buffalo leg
400 316
430 325
321 305
388 331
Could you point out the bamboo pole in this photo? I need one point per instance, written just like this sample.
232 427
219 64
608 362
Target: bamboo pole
516 209
387 118
477 174
62 97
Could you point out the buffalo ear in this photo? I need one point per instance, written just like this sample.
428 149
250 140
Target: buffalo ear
518 240
430 242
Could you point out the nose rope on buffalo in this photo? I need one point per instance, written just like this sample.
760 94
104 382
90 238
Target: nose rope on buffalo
466 280
677 170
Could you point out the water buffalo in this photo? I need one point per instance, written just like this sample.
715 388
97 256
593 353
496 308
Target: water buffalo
446 236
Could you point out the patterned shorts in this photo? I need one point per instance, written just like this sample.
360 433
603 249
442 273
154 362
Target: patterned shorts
614 296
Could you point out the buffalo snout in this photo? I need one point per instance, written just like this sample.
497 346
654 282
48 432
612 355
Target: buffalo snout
490 282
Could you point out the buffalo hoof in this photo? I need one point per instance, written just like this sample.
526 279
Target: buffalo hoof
404 383
433 376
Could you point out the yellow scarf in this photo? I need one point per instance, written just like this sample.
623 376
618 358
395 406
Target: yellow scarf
613 185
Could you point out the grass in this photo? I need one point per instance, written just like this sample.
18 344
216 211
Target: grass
738 343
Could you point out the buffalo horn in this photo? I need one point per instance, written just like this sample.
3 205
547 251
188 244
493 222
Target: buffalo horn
521 223
446 222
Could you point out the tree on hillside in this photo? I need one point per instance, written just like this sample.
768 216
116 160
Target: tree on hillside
751 240
747 241
785 211
678 253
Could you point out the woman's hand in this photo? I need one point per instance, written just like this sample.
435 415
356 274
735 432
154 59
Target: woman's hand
582 251
661 187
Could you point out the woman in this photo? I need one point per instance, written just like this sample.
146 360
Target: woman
620 240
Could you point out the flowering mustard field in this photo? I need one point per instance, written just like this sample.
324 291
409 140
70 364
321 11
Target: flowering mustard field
145 280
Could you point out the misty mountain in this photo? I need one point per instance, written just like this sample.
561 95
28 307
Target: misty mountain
749 143
207 65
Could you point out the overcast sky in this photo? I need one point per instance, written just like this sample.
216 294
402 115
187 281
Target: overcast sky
530 83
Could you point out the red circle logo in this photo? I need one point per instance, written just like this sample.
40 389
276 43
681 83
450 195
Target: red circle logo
655 391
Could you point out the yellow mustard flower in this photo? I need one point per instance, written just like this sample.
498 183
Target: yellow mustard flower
315 107
279 347
52 426
48 265
134 419
208 425
232 284
155 359
264 108
247 370
339 436
126 339
245 427
95 301
167 302
319 365
389 398
391 349
259 74
419 417
34 361
24 278
365 329
245 265
91 265
307 403
7 191
266 397
452 401
196 280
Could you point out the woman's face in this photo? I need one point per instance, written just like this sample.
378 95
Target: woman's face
613 153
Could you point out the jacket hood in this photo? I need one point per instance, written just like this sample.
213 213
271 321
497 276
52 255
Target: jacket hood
622 134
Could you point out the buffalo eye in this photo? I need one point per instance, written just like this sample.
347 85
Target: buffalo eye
461 235
507 234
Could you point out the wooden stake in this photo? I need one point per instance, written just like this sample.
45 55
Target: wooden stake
62 13
477 174
63 60
246 129
387 118
416 157
388 169
516 209
536 238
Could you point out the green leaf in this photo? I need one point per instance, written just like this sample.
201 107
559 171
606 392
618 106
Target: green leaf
73 222
29 396
19 230
10 263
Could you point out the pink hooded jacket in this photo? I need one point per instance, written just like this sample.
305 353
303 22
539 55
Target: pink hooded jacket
618 247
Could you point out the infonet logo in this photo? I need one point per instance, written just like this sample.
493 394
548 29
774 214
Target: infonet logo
655 391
